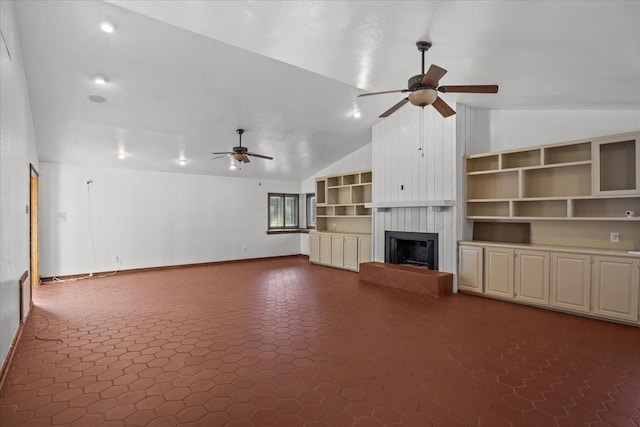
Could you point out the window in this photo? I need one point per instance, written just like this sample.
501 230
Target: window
283 211
311 210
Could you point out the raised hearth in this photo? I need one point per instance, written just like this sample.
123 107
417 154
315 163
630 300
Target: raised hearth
407 277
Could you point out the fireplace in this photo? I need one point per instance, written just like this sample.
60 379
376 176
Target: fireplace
403 247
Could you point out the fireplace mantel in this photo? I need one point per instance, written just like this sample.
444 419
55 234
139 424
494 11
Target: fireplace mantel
411 204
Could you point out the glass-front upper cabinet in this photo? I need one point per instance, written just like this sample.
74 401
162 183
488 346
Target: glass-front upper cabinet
616 165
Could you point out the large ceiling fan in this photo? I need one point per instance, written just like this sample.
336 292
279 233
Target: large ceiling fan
424 88
240 153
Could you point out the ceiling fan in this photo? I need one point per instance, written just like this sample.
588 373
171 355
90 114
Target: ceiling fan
424 88
240 153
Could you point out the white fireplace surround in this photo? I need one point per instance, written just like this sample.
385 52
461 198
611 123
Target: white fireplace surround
416 162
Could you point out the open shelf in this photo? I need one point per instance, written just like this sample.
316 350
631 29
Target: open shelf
561 181
488 209
618 163
521 159
483 163
606 207
339 196
334 181
540 208
580 152
361 194
493 185
345 210
321 192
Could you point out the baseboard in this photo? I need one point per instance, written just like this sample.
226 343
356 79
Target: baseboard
12 350
45 280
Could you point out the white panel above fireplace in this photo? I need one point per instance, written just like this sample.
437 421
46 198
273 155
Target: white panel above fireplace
416 171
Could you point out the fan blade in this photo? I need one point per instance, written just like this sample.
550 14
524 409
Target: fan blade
219 157
224 152
433 76
246 160
381 93
393 109
443 108
470 89
259 155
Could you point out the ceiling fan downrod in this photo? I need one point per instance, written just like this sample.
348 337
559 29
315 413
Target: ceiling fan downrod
423 47
240 132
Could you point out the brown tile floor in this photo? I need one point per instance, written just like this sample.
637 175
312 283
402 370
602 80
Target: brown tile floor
284 343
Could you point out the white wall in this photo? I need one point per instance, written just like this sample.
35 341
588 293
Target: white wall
496 130
150 219
359 160
17 150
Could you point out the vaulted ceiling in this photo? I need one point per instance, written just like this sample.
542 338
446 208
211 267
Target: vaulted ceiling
184 75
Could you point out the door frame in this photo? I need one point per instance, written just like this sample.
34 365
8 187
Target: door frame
34 232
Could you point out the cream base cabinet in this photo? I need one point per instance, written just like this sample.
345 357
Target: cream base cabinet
314 247
470 268
498 272
571 281
337 251
364 250
532 276
345 251
325 249
350 252
615 287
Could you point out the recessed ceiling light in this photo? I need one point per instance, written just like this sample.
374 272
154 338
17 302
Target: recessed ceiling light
107 27
122 155
99 79
232 167
97 99
357 114
182 162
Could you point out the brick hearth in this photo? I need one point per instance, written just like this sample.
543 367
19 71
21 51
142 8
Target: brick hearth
408 278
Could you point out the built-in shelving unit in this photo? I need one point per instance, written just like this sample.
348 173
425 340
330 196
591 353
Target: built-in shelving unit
557 226
342 203
342 237
594 180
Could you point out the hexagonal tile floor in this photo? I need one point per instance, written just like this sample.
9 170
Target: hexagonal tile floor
280 342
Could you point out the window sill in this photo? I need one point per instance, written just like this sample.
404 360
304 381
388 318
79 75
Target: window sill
289 231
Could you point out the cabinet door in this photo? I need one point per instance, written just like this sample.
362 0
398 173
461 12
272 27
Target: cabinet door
615 287
470 268
351 252
337 250
571 281
532 276
325 249
314 247
498 268
364 250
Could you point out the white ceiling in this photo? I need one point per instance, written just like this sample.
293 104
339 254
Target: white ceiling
183 75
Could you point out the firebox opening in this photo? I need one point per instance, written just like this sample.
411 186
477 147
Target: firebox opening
419 249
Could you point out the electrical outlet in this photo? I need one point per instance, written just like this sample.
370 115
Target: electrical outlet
244 249
614 237
116 259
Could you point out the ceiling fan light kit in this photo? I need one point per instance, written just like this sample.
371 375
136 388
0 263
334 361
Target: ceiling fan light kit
240 153
424 88
423 97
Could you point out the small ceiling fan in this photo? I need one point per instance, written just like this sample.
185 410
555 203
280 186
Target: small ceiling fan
240 153
424 88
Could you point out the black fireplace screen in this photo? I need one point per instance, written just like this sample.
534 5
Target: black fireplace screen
411 248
